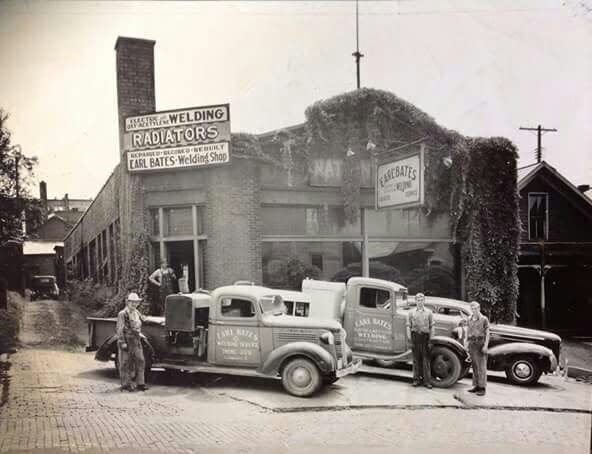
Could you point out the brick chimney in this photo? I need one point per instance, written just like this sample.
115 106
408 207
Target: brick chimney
135 96
43 197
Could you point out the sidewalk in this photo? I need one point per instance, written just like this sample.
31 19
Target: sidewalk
579 357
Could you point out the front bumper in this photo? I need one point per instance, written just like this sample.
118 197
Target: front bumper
351 369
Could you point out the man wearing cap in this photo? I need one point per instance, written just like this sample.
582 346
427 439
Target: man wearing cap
129 346
478 339
420 329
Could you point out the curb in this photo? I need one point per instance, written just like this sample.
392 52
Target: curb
580 373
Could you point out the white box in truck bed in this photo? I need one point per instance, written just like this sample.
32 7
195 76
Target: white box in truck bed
327 298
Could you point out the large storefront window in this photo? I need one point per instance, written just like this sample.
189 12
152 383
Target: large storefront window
285 264
308 221
409 223
427 267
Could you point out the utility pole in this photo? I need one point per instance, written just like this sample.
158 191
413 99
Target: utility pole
357 53
539 129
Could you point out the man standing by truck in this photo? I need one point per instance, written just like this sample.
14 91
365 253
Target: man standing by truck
478 339
129 346
420 329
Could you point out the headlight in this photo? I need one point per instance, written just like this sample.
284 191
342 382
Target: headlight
327 338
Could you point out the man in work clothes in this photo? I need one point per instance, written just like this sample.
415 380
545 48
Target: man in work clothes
420 329
478 339
129 346
164 278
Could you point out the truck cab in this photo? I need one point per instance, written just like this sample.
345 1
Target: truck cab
241 330
374 314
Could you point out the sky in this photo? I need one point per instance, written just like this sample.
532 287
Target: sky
480 67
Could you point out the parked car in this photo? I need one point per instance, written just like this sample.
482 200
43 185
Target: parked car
522 353
44 287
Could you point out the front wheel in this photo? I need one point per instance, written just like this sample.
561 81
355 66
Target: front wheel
523 370
445 367
301 377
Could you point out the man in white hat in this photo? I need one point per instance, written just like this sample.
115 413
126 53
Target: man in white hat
129 346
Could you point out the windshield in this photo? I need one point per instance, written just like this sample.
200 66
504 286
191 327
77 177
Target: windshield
272 304
43 282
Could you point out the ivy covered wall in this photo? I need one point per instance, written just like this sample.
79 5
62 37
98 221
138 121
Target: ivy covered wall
478 190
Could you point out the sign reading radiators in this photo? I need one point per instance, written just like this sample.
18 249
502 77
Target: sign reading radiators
194 137
400 182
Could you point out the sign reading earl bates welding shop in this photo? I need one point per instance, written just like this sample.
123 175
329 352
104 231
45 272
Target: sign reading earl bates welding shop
193 137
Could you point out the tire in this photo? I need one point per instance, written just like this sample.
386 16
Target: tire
329 379
523 370
301 377
446 368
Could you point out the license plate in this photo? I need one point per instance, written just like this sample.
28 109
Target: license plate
339 363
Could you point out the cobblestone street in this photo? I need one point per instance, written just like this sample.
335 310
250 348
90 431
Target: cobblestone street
60 400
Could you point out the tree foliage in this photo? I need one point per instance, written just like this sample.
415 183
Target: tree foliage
14 164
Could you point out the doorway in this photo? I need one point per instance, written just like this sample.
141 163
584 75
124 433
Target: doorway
182 260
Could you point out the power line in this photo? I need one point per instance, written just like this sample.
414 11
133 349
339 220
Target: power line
540 130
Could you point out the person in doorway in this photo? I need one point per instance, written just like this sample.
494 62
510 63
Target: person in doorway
164 278
478 339
420 329
129 346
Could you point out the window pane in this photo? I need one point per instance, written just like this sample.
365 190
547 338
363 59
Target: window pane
537 216
374 298
233 307
311 221
286 264
428 268
178 221
154 221
410 223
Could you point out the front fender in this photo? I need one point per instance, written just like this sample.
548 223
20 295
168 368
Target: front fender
452 344
499 355
109 347
321 357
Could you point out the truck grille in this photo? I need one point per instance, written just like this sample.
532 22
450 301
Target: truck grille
282 337
338 345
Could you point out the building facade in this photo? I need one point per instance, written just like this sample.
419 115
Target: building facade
555 264
272 223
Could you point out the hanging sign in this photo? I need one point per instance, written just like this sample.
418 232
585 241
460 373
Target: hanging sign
400 182
193 137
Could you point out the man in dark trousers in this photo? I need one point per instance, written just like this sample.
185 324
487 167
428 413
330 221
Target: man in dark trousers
478 339
420 329
129 346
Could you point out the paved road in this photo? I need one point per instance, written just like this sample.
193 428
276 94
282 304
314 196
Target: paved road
60 399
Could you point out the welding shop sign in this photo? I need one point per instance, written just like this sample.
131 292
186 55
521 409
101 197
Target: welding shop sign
400 181
193 137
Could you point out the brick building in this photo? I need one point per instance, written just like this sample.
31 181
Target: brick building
250 219
555 267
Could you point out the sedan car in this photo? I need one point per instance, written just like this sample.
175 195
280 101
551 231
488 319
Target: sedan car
44 287
524 354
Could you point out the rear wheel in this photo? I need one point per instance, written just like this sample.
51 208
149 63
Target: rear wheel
445 367
301 377
523 370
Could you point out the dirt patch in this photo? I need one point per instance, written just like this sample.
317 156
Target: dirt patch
53 324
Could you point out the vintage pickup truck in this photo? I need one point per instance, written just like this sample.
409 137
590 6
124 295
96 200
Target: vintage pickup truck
523 354
374 313
237 330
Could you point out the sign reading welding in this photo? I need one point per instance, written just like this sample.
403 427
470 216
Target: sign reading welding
194 137
400 182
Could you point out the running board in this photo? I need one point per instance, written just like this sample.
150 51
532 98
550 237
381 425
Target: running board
194 368
406 356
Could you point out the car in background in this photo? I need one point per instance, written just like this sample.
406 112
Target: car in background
524 354
44 287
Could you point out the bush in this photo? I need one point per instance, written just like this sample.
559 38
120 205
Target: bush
10 322
88 296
